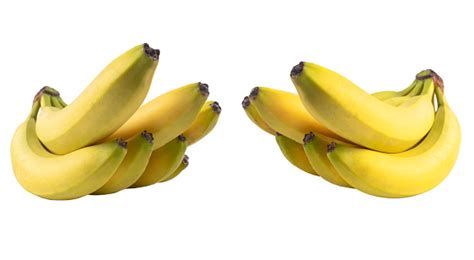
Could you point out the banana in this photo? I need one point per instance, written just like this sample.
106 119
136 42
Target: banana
253 115
315 150
390 97
398 101
284 112
166 116
183 165
405 174
388 94
316 154
139 150
163 162
294 153
357 116
113 96
205 121
61 177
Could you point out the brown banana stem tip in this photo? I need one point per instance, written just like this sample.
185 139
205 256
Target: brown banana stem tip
148 136
297 69
122 143
45 90
308 138
277 134
186 160
246 102
429 73
331 147
216 107
254 93
204 89
153 54
181 138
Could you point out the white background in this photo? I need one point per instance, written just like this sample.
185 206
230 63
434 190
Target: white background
239 198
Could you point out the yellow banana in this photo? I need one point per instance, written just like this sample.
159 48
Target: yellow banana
183 165
284 112
400 100
205 121
357 116
61 177
113 96
294 153
315 150
133 165
163 162
316 147
405 174
166 116
253 115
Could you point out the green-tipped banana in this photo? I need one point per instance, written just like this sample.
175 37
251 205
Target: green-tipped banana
61 177
400 100
294 153
166 116
253 115
315 149
183 165
163 162
405 174
388 94
205 121
350 112
132 167
106 104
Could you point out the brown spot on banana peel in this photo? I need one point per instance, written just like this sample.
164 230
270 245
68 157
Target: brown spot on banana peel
297 69
153 54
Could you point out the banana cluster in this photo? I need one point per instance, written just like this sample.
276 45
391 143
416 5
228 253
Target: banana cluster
105 141
389 144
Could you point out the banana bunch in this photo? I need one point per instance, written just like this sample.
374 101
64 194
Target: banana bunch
105 140
389 144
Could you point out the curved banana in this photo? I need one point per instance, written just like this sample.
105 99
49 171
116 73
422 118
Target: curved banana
405 174
183 165
61 177
388 94
133 165
253 115
284 112
357 116
315 150
166 116
294 153
163 162
400 100
205 121
113 96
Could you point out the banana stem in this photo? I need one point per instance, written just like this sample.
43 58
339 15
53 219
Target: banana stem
35 108
440 96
